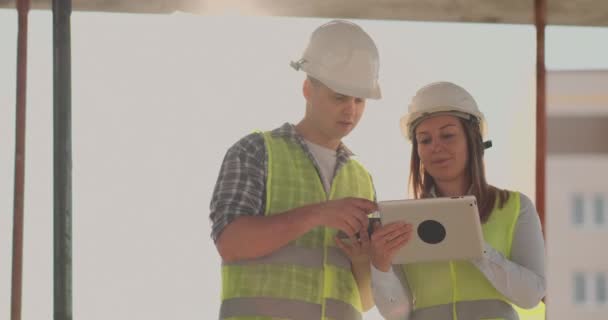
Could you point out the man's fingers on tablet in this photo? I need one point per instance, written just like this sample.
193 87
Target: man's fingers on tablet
362 219
354 223
366 205
364 236
347 228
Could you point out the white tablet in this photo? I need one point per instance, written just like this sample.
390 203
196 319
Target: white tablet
443 228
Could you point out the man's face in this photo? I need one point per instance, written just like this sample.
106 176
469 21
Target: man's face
335 115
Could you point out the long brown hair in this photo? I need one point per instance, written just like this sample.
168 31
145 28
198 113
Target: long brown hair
421 182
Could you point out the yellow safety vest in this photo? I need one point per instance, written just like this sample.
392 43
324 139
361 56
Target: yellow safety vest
310 278
458 290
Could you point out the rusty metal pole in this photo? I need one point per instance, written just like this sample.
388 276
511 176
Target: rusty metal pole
23 7
540 19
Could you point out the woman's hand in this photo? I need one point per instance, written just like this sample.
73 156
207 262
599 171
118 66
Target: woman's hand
358 252
386 241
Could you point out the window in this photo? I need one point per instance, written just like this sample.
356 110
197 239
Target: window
579 288
600 288
599 209
578 214
585 290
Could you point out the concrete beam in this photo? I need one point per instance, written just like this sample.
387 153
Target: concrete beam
560 12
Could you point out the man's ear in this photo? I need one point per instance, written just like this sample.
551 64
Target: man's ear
307 88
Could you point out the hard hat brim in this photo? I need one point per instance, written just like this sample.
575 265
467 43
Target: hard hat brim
374 92
410 121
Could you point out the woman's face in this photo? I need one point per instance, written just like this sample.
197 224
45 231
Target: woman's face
442 147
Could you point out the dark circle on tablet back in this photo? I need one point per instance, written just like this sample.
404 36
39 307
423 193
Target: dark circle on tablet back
431 231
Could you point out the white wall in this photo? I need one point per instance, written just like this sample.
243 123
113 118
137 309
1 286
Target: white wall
575 248
156 102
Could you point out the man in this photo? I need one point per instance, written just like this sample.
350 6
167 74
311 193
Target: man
282 196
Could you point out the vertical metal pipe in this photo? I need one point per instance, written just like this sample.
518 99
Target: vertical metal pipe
62 161
540 13
23 7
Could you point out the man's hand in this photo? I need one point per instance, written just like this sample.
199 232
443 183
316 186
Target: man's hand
348 214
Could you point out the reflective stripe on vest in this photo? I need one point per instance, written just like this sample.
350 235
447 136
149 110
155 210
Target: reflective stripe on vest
310 278
305 257
479 309
286 309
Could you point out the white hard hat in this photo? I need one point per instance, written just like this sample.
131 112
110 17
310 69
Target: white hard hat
444 97
344 58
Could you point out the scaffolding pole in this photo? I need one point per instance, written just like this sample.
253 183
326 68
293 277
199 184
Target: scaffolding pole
62 162
23 7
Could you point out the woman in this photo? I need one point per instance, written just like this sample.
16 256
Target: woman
445 127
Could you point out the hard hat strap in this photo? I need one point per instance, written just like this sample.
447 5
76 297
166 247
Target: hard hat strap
487 144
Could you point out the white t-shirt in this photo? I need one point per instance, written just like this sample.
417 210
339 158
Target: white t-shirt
326 160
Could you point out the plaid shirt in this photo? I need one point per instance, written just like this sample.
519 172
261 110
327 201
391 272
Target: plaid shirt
240 189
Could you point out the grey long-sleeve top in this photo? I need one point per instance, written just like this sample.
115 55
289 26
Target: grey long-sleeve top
520 279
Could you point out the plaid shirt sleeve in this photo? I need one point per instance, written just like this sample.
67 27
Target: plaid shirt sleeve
240 189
